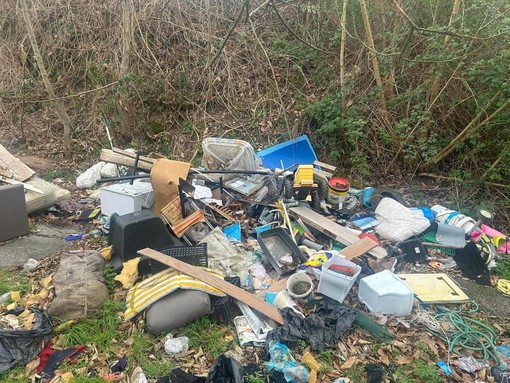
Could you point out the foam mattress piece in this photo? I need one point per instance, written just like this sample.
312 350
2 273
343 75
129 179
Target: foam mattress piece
13 212
176 310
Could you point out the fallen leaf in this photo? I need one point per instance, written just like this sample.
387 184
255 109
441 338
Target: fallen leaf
404 359
383 357
31 366
15 296
348 363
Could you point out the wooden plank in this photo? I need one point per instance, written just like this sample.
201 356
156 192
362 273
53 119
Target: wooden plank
235 292
109 155
435 288
278 285
325 166
11 167
25 185
358 248
332 229
133 155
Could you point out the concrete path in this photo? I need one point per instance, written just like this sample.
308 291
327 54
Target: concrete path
489 298
45 241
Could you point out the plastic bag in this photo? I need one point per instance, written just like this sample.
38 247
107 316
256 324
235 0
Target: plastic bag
282 360
176 346
225 370
18 347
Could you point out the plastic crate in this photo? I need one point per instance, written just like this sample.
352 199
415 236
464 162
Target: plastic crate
336 285
193 255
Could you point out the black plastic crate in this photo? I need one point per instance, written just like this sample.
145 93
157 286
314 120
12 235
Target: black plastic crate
193 255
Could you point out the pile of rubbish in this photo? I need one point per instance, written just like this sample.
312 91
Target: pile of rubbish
275 244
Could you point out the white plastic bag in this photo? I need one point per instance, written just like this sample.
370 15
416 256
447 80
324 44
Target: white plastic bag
88 178
176 346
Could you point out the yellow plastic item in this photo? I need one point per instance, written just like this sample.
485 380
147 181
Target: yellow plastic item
316 260
129 273
310 361
504 286
304 175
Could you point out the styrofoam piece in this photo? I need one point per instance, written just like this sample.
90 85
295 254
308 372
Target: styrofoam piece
386 293
125 198
335 285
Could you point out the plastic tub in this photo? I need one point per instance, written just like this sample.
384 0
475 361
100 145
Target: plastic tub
298 151
386 293
336 285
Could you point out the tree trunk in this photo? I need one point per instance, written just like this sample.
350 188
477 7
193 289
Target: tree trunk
342 53
375 67
127 36
59 108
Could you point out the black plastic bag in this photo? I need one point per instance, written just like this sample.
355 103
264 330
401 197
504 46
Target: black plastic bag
322 329
18 347
225 370
472 265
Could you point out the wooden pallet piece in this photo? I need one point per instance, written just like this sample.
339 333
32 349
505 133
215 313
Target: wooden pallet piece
332 229
12 167
235 292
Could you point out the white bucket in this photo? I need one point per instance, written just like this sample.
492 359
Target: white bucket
299 286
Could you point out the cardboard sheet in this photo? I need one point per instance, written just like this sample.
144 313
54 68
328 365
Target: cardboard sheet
165 180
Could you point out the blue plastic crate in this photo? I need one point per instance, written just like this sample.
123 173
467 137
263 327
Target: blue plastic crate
297 151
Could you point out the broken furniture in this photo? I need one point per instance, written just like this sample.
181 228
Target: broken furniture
14 220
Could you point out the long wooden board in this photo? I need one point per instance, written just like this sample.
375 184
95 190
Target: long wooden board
235 292
332 229
109 155
435 288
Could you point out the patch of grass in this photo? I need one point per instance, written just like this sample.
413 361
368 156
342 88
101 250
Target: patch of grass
86 379
109 274
206 334
255 379
13 376
502 268
98 331
143 347
356 372
13 281
64 173
419 372
326 359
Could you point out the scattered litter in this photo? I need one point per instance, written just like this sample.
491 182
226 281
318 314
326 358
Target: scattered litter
176 346
282 360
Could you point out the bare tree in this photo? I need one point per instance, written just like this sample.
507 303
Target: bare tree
59 107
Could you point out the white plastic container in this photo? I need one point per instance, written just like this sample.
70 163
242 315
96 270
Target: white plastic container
125 198
335 285
386 293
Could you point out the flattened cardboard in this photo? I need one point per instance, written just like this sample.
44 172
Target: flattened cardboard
165 180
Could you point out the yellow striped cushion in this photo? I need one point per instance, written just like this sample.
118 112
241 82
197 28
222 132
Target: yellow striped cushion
150 290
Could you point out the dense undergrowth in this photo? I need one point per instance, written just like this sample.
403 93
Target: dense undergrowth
426 90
